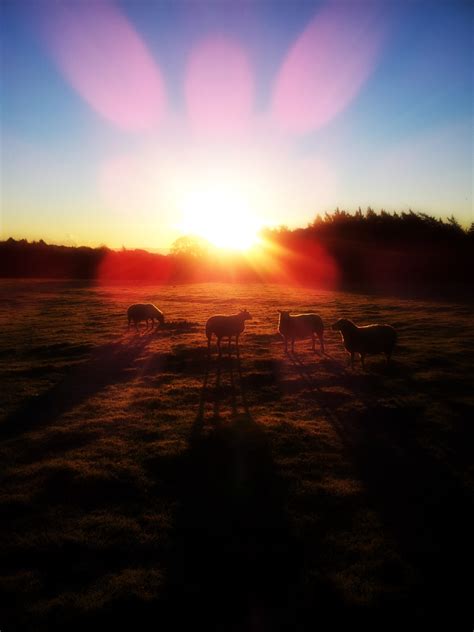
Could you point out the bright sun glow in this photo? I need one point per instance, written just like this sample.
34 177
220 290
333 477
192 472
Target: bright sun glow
222 216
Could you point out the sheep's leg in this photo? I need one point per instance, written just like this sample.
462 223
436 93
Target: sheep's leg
313 341
286 345
237 344
321 341
352 359
230 342
292 345
129 321
209 346
219 346
152 323
362 360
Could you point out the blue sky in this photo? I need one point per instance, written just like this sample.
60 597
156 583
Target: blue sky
401 138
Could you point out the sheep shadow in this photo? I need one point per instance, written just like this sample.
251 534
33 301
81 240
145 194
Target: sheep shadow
231 393
108 364
186 360
168 328
235 559
365 384
421 500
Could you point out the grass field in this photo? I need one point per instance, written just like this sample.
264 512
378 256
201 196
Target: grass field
262 493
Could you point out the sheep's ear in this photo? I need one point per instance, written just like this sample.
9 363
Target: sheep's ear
279 311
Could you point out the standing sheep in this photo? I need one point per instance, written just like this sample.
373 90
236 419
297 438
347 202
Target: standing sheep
144 311
226 327
300 327
366 339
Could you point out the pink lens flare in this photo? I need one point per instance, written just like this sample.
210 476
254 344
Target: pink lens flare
327 66
104 59
219 86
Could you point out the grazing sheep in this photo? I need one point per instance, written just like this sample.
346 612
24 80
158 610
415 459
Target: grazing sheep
300 327
226 327
367 339
144 311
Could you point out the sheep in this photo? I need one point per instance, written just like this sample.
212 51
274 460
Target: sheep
300 327
366 339
226 327
144 311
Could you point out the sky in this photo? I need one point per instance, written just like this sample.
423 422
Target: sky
132 123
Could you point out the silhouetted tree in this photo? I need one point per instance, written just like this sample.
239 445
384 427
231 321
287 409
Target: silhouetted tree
190 246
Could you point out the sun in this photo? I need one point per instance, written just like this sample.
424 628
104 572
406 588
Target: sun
221 215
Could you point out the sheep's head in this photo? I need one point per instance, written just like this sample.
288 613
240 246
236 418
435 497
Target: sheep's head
283 315
343 324
161 318
245 315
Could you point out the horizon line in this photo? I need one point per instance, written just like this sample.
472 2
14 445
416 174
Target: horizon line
465 226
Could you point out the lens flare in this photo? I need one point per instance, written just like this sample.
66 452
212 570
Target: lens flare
104 59
327 66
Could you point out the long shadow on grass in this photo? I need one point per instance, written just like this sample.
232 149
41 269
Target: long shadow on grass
235 562
421 501
107 365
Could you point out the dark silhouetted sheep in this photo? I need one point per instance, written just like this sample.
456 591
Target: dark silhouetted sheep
299 327
144 311
366 340
226 327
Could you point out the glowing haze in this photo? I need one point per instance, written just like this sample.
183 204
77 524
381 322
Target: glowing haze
100 54
135 123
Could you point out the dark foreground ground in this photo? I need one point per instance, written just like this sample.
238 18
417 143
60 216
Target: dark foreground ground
144 486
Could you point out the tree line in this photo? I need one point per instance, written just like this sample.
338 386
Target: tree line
376 250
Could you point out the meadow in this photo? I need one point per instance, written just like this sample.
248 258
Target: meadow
268 491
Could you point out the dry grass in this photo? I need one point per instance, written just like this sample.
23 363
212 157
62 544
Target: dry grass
262 493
